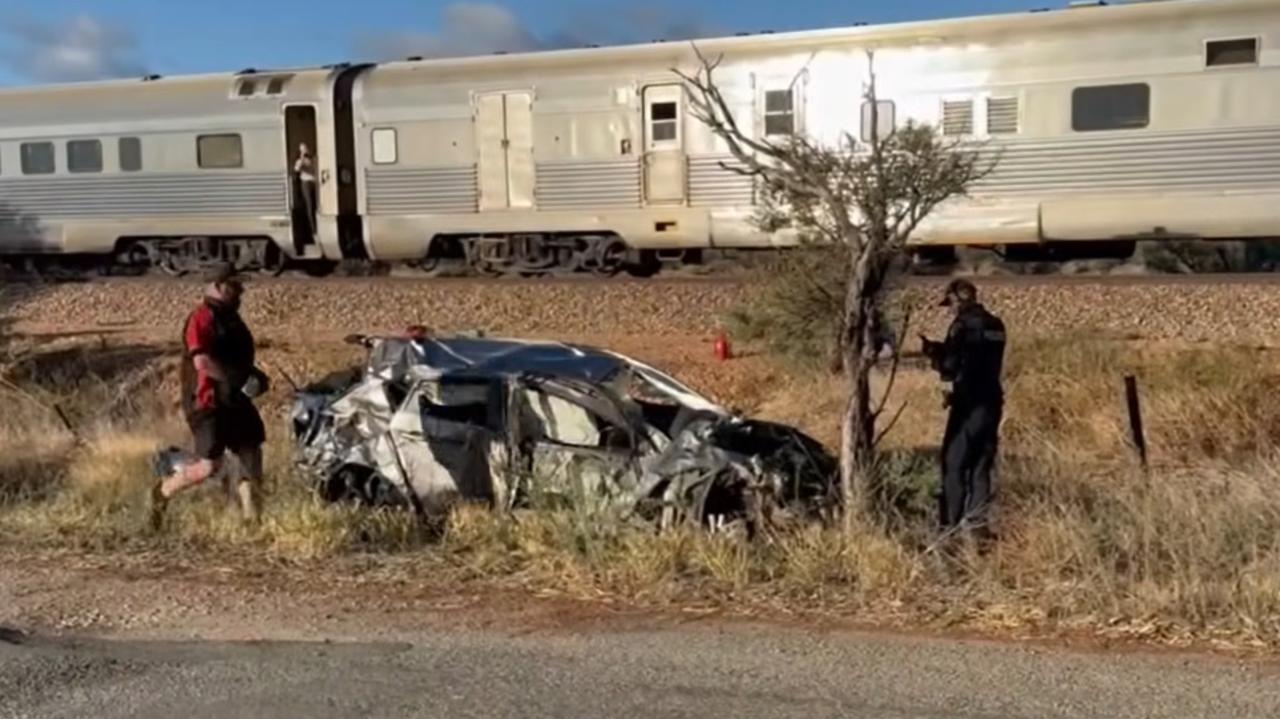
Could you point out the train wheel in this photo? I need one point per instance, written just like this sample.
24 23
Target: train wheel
171 265
648 266
611 257
319 268
274 262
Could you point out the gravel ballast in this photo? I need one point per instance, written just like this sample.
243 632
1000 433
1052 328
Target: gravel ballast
1243 312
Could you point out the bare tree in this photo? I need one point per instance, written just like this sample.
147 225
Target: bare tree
868 196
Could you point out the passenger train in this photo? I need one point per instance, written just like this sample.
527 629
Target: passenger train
1115 123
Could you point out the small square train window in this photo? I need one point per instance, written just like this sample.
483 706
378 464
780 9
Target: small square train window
37 158
885 118
385 151
219 151
664 121
1243 51
84 156
130 149
779 112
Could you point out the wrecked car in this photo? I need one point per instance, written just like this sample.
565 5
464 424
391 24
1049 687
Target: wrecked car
429 421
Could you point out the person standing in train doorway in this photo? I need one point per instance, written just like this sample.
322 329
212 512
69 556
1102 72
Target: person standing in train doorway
304 169
971 358
219 383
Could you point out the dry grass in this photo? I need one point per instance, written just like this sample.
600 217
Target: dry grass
1190 548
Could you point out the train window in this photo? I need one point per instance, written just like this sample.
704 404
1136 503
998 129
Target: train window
957 117
885 111
37 158
219 151
1111 107
385 150
130 154
1002 115
664 121
84 156
779 112
1243 51
247 88
276 86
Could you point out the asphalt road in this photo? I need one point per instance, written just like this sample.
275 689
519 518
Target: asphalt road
700 672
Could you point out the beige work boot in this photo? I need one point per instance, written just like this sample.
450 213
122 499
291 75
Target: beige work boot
250 501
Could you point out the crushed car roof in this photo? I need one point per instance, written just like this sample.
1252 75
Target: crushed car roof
499 356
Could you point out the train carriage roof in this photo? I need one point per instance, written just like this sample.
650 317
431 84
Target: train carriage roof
180 96
1013 25
158 99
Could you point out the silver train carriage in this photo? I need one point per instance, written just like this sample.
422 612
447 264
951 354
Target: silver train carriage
1156 119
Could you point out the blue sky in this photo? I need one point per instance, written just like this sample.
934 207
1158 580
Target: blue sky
58 40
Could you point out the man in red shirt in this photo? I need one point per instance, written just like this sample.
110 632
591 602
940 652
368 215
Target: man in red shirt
219 382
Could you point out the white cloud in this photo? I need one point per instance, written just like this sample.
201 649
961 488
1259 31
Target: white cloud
79 48
483 28
466 28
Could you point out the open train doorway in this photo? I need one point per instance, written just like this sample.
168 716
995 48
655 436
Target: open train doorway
300 154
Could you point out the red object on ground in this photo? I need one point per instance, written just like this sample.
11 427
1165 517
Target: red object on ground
723 351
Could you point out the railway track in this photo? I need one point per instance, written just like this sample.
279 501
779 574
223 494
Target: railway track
730 277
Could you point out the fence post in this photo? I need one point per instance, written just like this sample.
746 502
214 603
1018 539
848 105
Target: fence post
1135 418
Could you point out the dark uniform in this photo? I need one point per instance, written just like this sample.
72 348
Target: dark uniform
221 416
971 358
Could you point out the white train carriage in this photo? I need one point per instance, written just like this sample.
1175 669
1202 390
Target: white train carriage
1155 119
1112 123
168 172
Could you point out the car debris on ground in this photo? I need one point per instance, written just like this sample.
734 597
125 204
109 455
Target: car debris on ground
430 421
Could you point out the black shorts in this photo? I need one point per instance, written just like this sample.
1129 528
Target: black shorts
236 428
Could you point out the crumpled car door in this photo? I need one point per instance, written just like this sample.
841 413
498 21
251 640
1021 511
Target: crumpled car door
581 448
445 442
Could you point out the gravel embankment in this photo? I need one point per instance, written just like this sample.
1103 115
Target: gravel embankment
374 305
1231 312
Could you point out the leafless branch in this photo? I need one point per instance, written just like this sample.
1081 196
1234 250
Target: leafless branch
894 365
875 443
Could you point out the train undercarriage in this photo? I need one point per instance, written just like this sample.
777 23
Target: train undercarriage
520 255
542 255
607 255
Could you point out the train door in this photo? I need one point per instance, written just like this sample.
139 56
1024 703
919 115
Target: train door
664 158
504 136
302 161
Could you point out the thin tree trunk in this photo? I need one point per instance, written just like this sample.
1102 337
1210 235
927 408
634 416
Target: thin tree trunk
857 433
858 424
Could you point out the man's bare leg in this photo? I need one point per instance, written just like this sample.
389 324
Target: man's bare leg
184 477
250 485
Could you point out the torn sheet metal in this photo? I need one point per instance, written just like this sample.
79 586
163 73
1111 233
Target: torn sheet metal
431 421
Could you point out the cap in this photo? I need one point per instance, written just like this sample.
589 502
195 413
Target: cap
961 289
222 272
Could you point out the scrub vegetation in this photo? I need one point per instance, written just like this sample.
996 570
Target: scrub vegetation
1187 549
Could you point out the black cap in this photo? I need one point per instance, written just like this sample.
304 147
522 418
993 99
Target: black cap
960 289
222 273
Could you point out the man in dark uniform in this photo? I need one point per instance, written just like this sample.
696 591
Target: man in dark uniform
219 382
971 359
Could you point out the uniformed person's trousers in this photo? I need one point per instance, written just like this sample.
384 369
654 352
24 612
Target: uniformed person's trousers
968 456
